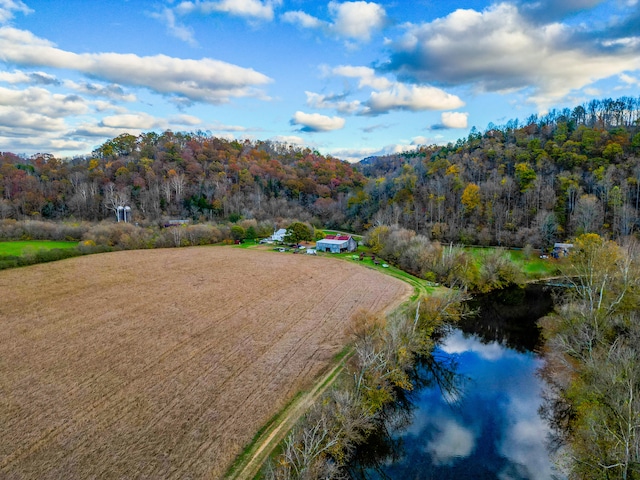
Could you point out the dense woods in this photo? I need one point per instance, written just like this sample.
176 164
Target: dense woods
548 178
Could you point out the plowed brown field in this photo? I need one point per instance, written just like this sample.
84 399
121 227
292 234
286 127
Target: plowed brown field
164 363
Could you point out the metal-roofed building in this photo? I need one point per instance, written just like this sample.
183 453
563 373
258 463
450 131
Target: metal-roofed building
337 244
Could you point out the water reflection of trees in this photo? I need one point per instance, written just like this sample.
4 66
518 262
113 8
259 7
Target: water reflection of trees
382 447
509 317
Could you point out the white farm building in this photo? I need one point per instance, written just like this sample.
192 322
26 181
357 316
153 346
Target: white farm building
337 244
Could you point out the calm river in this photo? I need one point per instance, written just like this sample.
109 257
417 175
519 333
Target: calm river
475 412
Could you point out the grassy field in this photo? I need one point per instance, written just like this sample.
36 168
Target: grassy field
533 267
164 363
21 247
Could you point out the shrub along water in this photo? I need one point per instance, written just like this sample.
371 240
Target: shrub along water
385 351
454 266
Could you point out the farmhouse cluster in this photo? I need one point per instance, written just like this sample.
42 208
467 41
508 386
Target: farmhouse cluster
329 244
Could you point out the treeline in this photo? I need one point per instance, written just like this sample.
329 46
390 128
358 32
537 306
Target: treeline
549 178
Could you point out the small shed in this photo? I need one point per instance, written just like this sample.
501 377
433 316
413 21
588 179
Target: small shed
337 244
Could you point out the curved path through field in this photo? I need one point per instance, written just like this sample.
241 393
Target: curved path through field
164 363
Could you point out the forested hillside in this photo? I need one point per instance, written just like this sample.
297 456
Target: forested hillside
569 172
534 182
187 175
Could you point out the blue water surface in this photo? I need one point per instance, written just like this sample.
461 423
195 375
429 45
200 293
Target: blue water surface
488 428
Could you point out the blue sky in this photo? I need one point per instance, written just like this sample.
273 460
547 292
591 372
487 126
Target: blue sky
350 79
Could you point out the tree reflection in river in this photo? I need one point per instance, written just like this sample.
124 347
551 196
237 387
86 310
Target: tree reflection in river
489 428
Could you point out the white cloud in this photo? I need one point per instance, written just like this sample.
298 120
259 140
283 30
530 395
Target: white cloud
112 91
498 50
204 80
455 119
414 98
38 101
387 95
289 140
337 102
357 20
242 8
132 122
366 75
175 28
302 19
99 131
17 122
353 155
629 80
139 121
9 7
351 20
314 122
189 120
34 78
453 442
457 343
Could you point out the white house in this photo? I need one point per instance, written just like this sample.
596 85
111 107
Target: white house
278 235
337 244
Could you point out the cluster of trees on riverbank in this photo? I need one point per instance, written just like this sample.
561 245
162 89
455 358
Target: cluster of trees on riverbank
593 366
451 265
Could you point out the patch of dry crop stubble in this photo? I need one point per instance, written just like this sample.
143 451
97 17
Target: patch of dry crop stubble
164 363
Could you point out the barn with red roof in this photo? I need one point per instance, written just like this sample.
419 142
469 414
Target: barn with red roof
337 244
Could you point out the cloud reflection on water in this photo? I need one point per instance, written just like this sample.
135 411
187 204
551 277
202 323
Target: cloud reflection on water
493 431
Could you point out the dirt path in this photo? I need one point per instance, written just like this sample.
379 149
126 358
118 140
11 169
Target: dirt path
260 450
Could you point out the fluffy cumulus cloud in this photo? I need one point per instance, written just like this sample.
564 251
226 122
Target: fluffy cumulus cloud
351 20
204 80
385 95
452 120
411 97
314 122
357 20
40 101
500 50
